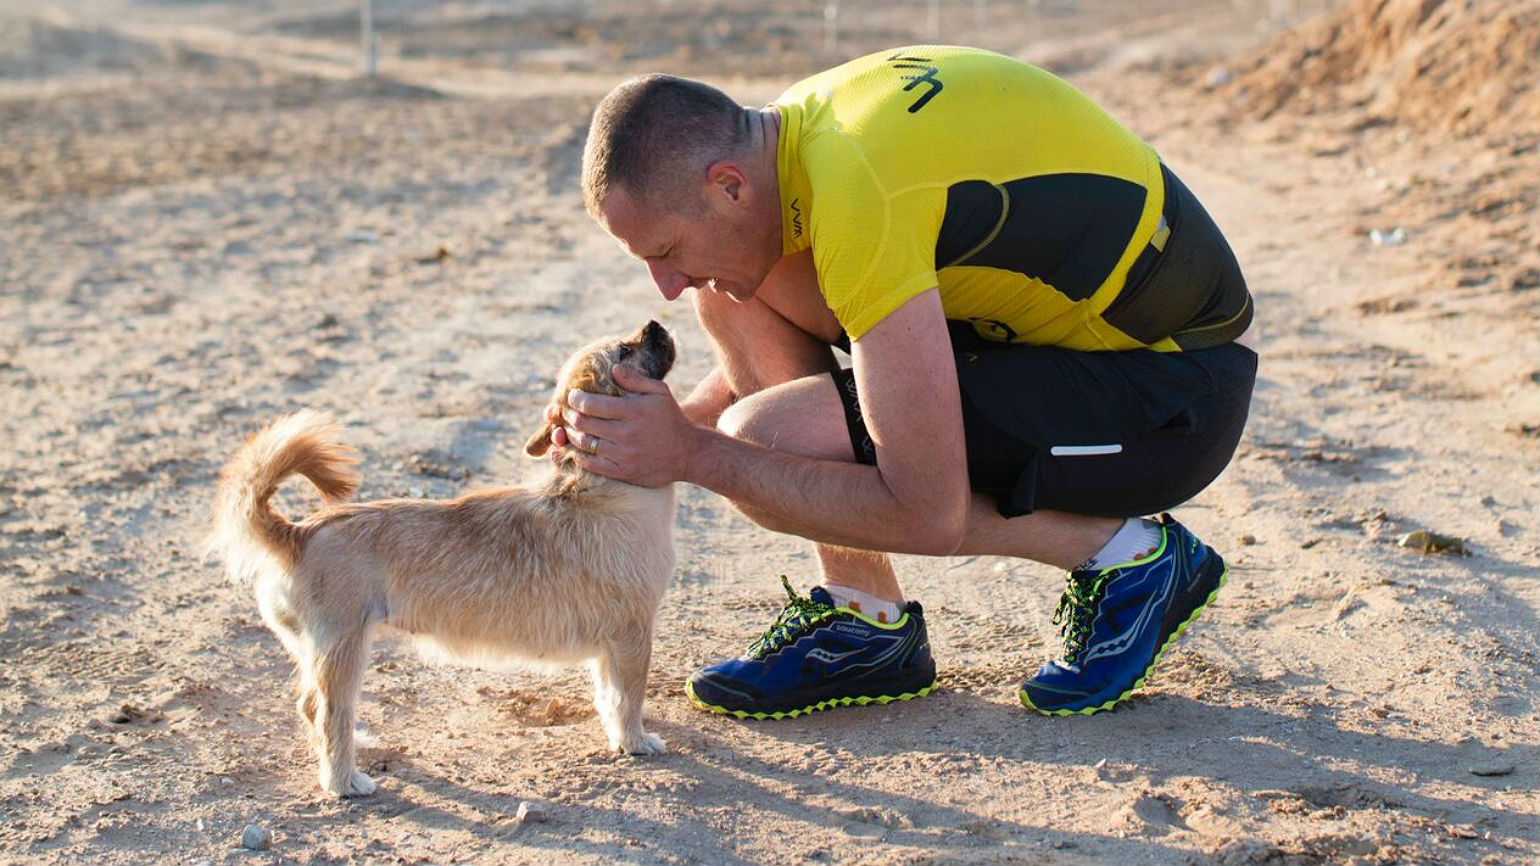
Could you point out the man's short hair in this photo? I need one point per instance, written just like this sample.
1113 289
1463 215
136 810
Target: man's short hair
655 134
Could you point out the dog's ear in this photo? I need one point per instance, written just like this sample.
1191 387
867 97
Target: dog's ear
539 443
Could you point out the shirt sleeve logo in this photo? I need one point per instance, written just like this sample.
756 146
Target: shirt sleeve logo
927 77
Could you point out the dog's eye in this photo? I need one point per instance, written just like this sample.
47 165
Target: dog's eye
625 352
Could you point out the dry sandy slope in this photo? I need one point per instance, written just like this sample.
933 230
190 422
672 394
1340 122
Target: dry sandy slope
230 238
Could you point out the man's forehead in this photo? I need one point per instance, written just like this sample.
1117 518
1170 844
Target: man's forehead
639 229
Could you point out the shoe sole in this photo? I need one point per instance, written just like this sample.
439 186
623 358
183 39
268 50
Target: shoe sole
1181 629
862 701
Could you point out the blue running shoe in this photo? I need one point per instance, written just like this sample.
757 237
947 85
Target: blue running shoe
1118 621
816 656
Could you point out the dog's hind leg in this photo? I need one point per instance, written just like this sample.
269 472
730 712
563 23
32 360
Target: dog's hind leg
304 678
338 676
620 688
283 623
307 701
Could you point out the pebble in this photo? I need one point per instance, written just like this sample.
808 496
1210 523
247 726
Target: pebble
1104 771
1273 793
862 830
530 813
1426 541
1345 606
1392 238
437 255
875 817
127 714
1502 768
255 838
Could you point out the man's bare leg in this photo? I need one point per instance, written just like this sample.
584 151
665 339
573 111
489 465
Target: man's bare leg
1053 537
806 417
760 346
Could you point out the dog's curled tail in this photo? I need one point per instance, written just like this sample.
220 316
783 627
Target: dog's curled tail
247 529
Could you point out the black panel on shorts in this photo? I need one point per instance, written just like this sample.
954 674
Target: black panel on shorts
1193 291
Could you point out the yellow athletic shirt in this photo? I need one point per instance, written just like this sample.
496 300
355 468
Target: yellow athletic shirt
994 180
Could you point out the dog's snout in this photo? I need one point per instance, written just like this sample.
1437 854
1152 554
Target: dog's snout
658 350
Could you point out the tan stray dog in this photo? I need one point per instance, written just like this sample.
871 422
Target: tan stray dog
568 571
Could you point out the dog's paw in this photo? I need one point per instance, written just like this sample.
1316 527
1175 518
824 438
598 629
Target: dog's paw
360 785
351 784
642 743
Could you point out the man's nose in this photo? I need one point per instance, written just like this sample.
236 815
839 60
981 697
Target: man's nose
671 283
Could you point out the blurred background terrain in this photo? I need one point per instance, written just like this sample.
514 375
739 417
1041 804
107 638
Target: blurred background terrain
209 216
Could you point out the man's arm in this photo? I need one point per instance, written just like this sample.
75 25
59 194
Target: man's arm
914 501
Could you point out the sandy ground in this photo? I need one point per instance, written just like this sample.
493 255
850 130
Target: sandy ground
205 222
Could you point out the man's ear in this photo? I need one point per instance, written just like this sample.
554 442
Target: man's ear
539 443
727 177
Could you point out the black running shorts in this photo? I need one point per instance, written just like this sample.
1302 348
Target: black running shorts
1120 434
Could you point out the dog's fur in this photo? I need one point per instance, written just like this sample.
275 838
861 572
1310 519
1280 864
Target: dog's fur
569 571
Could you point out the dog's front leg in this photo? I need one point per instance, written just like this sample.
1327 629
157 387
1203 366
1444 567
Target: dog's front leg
620 688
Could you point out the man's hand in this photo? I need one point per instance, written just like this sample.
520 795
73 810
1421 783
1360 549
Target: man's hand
642 438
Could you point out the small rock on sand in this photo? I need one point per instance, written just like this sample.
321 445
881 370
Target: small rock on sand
1493 768
530 813
256 838
1426 541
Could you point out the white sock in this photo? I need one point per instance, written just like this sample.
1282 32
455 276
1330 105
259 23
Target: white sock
865 603
1135 539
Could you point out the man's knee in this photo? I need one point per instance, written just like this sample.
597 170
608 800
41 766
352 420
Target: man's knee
749 419
801 417
757 347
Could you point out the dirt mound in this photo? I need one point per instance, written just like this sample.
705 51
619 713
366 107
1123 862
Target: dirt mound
1467 66
39 49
